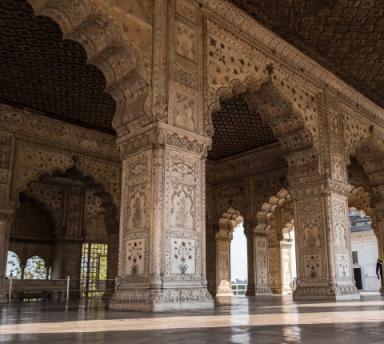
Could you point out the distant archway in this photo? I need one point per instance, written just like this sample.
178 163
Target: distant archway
13 266
229 221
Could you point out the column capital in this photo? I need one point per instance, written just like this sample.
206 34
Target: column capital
7 215
160 133
320 187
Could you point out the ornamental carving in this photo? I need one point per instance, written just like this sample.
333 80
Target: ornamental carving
135 257
182 256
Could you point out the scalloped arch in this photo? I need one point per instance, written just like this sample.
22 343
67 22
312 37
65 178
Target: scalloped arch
101 37
268 211
106 198
276 111
360 200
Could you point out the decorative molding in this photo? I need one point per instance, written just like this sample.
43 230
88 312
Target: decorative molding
160 133
287 53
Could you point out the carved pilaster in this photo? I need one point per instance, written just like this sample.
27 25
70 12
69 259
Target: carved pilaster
261 269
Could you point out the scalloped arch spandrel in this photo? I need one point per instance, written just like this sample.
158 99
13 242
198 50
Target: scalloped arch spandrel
288 125
107 49
268 210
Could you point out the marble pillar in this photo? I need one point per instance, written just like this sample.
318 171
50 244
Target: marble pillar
323 254
261 266
5 228
162 222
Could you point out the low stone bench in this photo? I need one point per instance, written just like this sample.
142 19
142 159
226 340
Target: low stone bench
25 289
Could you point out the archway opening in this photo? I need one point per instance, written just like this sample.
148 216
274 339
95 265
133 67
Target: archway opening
364 248
239 264
13 266
35 269
364 234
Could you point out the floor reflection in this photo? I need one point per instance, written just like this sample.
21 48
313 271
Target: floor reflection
234 320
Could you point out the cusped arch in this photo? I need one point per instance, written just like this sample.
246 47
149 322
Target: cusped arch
268 211
370 155
276 111
228 222
107 201
101 37
360 200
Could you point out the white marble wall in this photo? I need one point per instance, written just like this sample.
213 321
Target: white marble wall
365 243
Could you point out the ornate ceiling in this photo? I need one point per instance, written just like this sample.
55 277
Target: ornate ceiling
237 130
346 37
40 71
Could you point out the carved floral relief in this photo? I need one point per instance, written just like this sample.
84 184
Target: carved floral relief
182 207
343 265
313 266
186 42
182 256
135 257
185 109
138 208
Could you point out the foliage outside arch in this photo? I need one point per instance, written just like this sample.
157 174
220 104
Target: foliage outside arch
35 268
13 265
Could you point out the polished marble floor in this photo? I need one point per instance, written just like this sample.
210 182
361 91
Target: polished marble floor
263 320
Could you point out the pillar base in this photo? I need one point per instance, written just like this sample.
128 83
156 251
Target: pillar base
258 291
143 300
338 293
224 292
3 298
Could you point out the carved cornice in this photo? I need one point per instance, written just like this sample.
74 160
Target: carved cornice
45 130
263 160
160 133
287 53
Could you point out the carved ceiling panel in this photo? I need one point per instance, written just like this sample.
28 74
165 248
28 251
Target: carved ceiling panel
346 37
237 129
39 70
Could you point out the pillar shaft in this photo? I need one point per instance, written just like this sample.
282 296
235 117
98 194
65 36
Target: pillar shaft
162 222
4 243
261 269
324 260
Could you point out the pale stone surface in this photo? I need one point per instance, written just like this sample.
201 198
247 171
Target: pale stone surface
274 319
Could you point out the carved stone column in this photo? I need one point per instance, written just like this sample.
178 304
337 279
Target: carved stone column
251 291
5 228
279 255
323 255
112 266
261 269
228 222
162 222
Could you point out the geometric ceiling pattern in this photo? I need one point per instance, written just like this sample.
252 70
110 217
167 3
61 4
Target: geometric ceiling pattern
346 37
40 71
237 129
